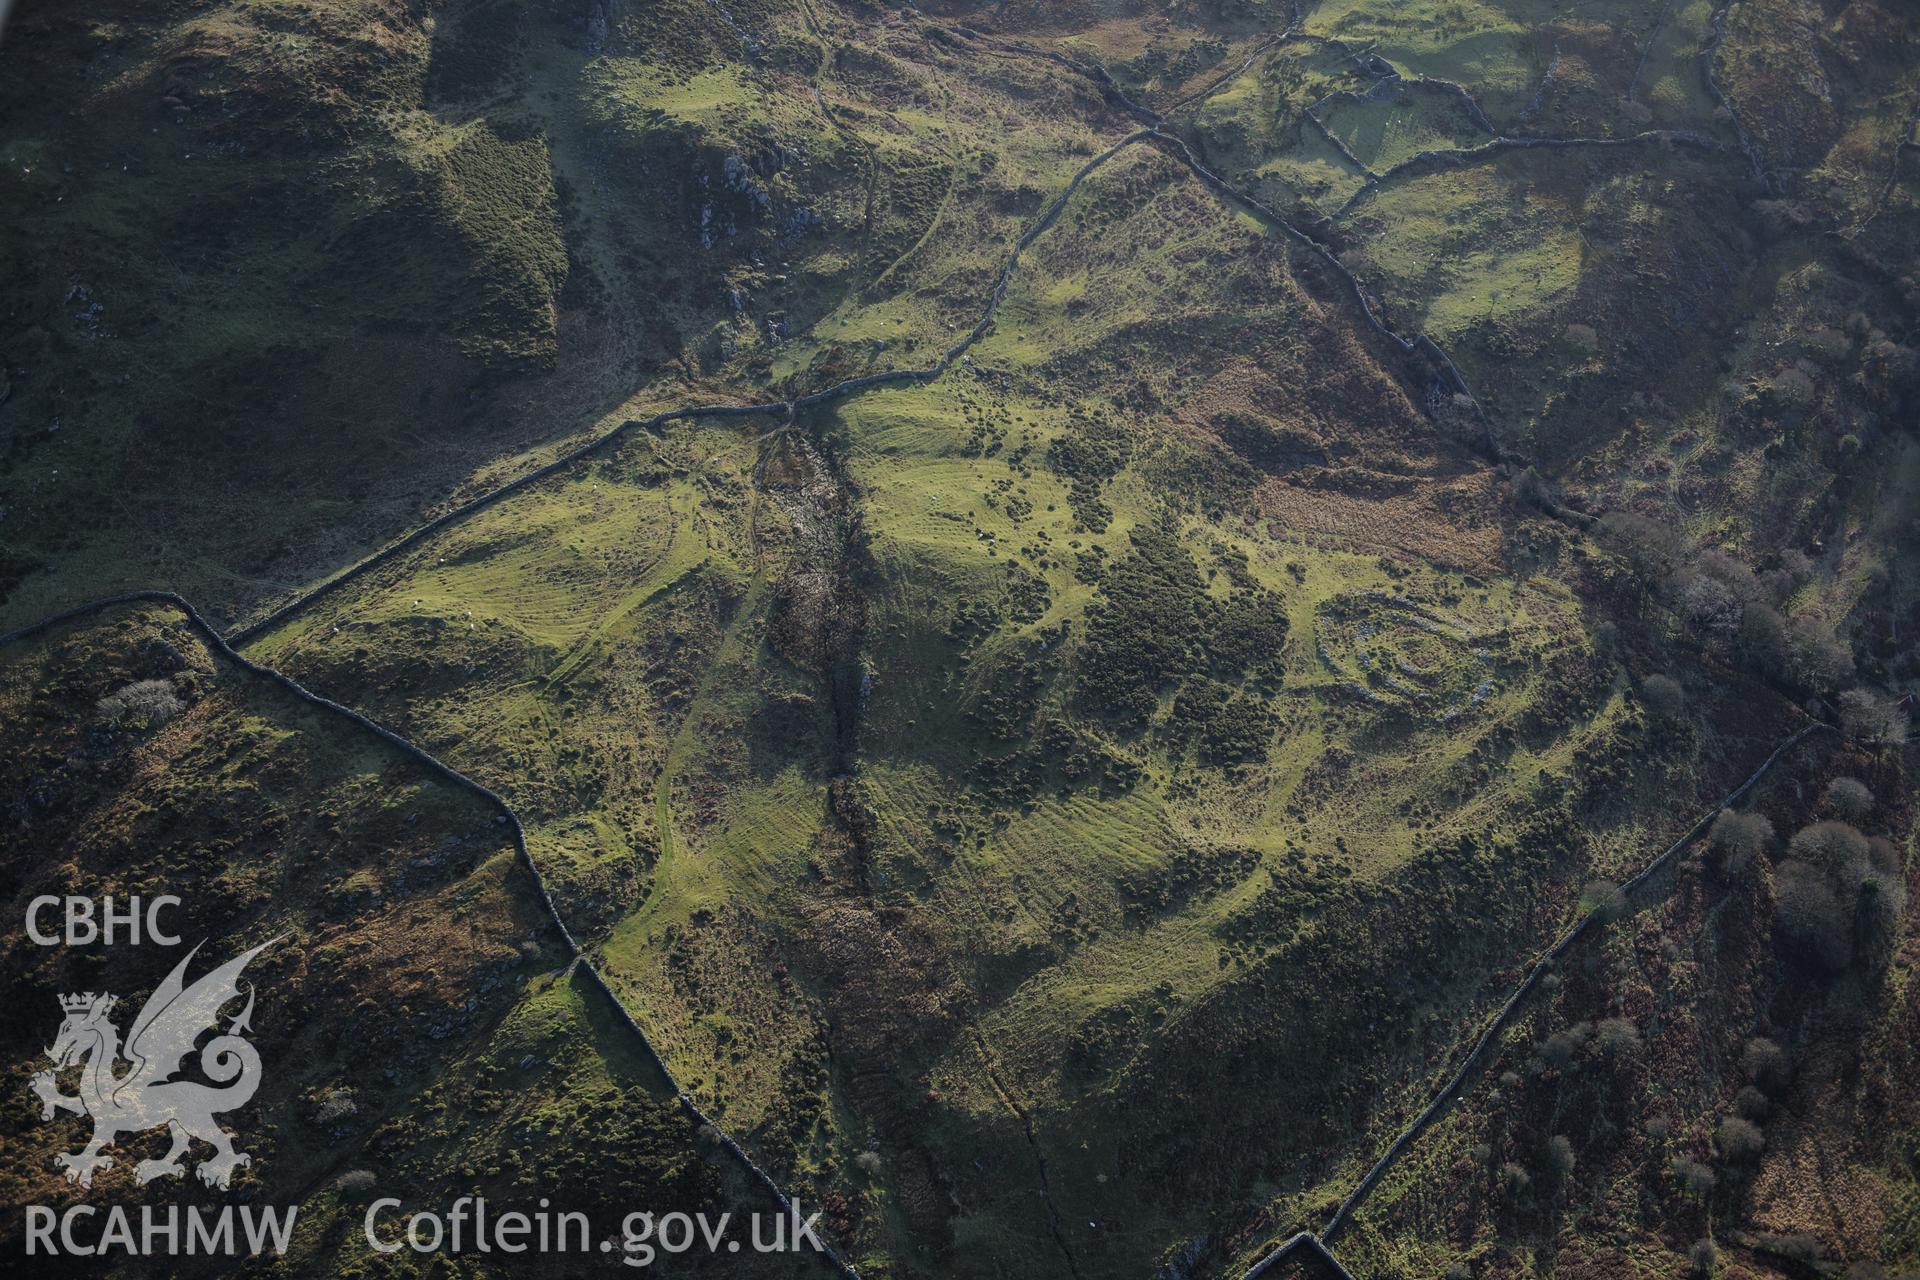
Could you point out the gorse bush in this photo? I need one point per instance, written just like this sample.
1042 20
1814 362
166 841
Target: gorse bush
1229 729
1143 629
1153 624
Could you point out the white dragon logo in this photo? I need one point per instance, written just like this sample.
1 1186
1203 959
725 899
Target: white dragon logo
146 1097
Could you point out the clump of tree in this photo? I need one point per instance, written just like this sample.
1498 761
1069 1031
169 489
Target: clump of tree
1840 897
1248 636
1779 218
1837 847
1732 611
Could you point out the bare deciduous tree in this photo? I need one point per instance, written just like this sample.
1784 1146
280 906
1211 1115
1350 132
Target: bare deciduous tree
1738 1140
1811 915
1738 838
1664 697
1849 798
1871 717
146 702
